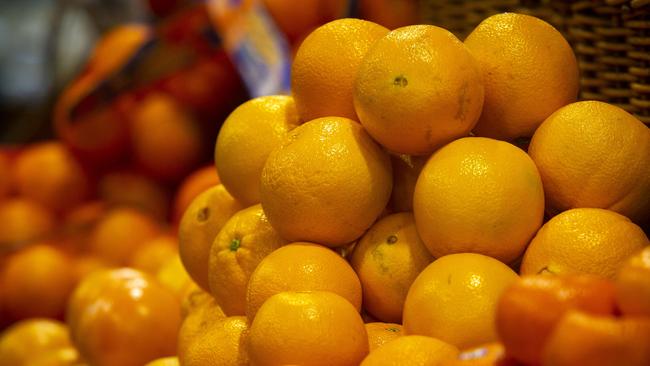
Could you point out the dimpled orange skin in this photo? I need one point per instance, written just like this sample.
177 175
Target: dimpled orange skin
244 240
220 343
593 154
478 195
411 350
382 333
633 284
302 267
193 185
310 182
123 317
583 240
418 88
307 328
529 71
326 64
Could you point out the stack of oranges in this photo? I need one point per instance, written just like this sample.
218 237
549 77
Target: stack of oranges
417 200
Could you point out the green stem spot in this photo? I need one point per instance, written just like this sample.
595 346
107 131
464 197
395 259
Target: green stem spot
234 245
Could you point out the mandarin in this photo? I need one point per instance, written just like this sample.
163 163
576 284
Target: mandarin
411 350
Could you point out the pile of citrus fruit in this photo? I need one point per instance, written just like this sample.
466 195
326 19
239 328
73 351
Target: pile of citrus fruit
417 200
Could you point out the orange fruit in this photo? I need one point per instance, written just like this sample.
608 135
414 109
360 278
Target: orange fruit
252 130
406 169
201 311
193 185
23 221
47 173
124 188
165 361
295 18
633 284
326 65
200 224
301 267
194 297
417 89
307 328
6 184
387 259
529 71
586 339
120 232
153 254
411 350
167 141
478 195
539 302
583 240
310 180
593 154
381 333
390 13
85 264
243 241
36 282
454 294
79 222
174 277
67 356
220 343
123 317
490 354
28 339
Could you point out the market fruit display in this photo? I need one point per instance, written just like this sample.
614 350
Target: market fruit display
387 211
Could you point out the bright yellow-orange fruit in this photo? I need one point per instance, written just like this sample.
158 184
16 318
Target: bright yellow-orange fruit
309 182
193 185
307 328
633 284
326 65
165 361
583 240
202 312
411 350
490 354
49 174
66 356
406 169
418 88
23 221
294 18
27 339
219 343
478 195
301 267
454 299
382 333
387 259
123 317
529 71
173 276
245 239
246 139
153 254
199 225
593 154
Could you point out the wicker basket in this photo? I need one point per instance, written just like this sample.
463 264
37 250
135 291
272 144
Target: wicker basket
611 39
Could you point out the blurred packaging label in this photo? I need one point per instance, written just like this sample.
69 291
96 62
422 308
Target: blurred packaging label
254 43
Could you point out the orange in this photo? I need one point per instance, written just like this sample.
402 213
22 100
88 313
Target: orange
307 328
490 354
252 130
454 299
79 222
633 284
417 89
478 195
583 240
23 221
174 277
124 188
195 183
529 71
6 184
381 333
387 259
194 297
201 312
390 13
199 225
67 356
120 232
411 350
153 254
85 264
123 317
245 239
309 182
593 154
406 169
49 174
167 141
585 339
27 339
326 65
295 18
36 282
220 343
301 267
165 361
529 309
